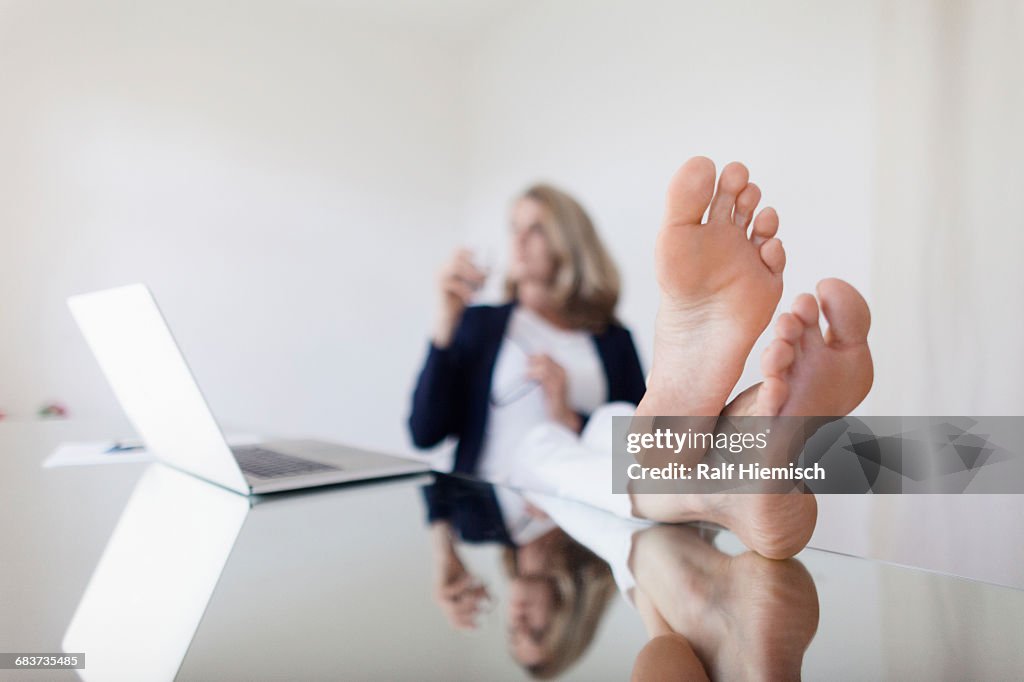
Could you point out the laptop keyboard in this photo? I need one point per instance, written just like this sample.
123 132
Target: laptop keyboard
256 461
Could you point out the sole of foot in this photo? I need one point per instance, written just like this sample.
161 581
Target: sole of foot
809 373
720 279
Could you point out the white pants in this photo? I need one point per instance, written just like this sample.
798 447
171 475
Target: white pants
552 460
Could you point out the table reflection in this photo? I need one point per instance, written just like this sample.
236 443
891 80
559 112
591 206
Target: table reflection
707 613
350 583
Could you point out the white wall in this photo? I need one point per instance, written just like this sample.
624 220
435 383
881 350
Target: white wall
949 331
285 176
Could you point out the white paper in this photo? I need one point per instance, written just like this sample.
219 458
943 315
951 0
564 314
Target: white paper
95 452
99 452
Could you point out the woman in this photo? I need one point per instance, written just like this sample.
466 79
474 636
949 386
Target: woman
554 352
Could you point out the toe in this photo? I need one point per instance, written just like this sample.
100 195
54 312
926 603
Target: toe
766 224
746 203
777 358
789 327
689 192
732 181
805 308
773 255
776 361
846 311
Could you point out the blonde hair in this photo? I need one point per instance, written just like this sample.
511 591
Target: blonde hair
585 285
584 586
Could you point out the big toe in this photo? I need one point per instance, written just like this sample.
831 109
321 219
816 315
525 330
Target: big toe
849 318
690 191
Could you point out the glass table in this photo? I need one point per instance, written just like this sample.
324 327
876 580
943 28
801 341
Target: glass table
156 575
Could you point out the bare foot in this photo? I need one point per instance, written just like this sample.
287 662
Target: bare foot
720 286
745 617
809 374
776 526
806 374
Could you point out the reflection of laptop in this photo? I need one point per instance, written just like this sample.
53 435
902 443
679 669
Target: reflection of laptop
144 601
149 375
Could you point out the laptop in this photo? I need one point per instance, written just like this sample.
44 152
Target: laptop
142 362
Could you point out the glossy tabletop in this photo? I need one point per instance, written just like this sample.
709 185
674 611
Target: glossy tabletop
157 575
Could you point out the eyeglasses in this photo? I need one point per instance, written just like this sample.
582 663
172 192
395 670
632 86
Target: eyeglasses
522 387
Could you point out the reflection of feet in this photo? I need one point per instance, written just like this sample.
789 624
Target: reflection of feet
772 607
719 285
668 658
746 617
809 374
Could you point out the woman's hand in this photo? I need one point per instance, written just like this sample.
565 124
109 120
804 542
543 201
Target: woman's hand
458 280
459 594
552 378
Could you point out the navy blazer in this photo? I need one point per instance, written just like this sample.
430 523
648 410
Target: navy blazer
470 506
452 396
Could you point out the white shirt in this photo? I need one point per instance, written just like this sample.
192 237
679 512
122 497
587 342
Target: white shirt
517 404
522 526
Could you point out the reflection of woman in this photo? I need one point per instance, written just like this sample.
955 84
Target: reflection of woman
554 352
558 590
